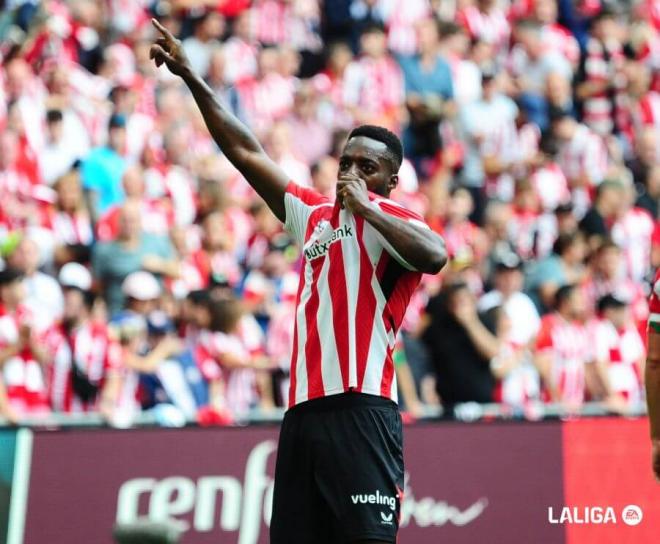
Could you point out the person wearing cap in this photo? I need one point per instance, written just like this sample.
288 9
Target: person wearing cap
87 362
103 168
132 251
23 351
508 280
618 364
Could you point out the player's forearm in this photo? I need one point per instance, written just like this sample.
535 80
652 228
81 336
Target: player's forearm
652 381
421 248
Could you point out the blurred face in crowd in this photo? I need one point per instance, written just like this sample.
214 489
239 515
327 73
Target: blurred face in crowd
117 139
243 26
324 176
373 44
17 73
638 77
130 221
509 281
288 62
267 61
460 206
576 251
133 182
215 234
212 27
370 161
618 316
75 308
576 304
12 294
648 149
496 219
427 36
564 128
340 56
54 130
26 256
609 262
530 40
69 192
8 149
545 11
305 103
566 222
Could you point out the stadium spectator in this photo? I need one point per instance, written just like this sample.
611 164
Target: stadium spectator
133 250
523 318
564 267
43 296
103 167
460 347
429 92
619 355
563 348
70 222
23 353
87 362
597 222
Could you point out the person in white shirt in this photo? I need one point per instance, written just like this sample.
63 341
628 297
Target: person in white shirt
518 307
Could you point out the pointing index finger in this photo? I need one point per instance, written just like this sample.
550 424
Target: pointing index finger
162 30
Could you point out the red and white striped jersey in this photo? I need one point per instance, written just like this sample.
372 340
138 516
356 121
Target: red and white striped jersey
569 345
491 27
92 350
353 292
22 375
621 351
551 186
632 232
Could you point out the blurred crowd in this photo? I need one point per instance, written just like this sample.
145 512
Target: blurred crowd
141 272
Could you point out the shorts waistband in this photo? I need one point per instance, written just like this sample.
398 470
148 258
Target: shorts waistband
342 401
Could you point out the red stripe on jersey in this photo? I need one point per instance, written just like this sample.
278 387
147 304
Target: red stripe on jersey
364 323
313 344
339 300
294 352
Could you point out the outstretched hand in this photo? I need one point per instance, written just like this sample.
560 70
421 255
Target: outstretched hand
169 50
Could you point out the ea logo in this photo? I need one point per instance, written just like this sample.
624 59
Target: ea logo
632 515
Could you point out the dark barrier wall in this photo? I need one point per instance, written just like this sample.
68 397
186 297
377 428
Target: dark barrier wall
482 482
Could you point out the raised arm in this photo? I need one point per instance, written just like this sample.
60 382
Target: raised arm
233 137
652 380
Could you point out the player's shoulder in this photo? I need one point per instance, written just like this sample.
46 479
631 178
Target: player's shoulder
308 196
392 207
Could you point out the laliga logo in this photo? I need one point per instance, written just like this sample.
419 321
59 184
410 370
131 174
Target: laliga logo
244 504
630 515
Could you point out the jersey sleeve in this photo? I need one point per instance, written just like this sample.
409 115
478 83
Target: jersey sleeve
395 210
298 205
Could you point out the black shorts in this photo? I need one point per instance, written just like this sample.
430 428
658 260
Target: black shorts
339 472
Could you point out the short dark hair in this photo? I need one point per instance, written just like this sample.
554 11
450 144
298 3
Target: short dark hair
54 116
381 134
563 294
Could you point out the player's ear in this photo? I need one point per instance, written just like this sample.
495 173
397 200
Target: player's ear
392 182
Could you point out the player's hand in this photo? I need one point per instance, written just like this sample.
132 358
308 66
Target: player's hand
352 194
169 50
655 459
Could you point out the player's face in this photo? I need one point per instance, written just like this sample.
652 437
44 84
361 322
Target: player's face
369 161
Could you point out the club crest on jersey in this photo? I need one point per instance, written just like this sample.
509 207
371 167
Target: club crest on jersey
321 246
